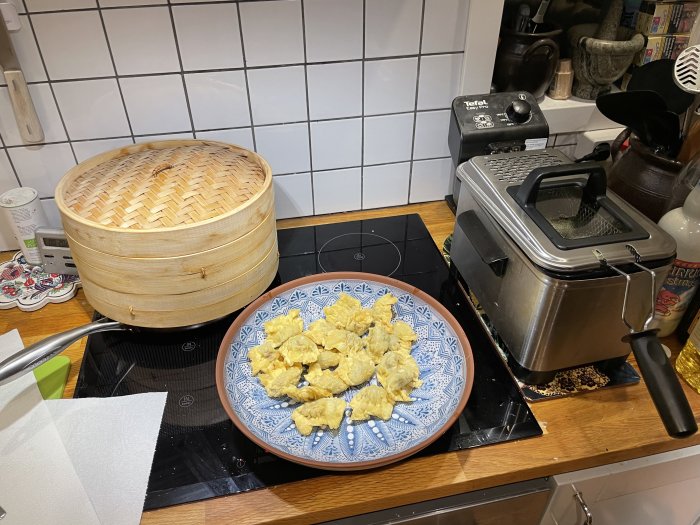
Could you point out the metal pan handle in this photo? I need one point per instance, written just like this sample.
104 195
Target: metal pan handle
663 385
38 353
595 186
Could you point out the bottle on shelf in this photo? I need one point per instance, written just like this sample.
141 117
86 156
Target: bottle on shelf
688 361
560 88
682 281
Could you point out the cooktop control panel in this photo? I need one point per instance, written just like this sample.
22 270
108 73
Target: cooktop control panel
495 123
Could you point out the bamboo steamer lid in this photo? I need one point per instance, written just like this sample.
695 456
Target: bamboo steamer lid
171 233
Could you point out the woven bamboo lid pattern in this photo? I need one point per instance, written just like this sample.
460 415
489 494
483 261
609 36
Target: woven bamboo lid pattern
163 185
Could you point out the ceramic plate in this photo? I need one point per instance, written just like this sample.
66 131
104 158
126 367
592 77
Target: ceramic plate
442 352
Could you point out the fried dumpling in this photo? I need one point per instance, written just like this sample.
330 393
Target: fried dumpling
278 381
317 330
402 337
346 348
398 373
341 312
281 328
381 310
264 358
307 393
360 321
355 369
372 400
326 379
299 349
328 358
343 341
328 411
377 342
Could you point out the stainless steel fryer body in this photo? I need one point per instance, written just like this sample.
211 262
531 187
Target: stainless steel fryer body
549 323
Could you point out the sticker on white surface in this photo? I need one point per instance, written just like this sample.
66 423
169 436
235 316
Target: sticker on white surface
535 143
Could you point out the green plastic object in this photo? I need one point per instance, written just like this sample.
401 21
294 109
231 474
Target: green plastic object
51 377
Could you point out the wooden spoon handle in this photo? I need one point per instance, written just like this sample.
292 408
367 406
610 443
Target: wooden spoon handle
23 107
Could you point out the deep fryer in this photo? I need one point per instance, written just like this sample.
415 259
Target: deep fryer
564 269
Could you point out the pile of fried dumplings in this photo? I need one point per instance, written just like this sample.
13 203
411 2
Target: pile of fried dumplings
349 347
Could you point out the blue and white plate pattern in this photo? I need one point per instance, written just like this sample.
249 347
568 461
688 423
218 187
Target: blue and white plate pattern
438 352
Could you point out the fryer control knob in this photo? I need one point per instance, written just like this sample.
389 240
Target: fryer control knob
518 111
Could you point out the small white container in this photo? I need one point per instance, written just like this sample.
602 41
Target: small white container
25 214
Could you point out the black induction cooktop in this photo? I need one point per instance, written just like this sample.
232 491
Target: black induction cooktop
200 454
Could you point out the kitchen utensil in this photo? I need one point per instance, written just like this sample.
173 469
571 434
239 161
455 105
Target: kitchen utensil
522 18
658 76
40 352
686 75
442 352
544 226
22 106
599 62
633 109
538 19
171 233
686 70
664 133
165 235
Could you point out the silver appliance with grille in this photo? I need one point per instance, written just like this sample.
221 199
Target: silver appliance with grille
558 263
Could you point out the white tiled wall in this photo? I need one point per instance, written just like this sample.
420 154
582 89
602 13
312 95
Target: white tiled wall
347 99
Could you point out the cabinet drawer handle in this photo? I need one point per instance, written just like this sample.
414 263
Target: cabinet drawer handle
582 503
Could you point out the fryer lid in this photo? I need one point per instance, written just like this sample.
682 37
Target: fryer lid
495 180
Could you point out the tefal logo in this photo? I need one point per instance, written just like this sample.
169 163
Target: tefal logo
475 103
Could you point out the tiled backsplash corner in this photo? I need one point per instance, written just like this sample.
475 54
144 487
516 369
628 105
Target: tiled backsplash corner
348 100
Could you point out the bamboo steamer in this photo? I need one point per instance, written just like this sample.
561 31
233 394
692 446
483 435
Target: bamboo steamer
171 233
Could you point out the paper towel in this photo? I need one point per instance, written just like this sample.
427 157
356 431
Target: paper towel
78 461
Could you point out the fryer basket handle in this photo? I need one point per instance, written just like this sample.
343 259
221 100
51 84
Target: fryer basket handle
595 187
663 385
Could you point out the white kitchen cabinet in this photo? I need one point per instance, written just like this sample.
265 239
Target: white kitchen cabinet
658 489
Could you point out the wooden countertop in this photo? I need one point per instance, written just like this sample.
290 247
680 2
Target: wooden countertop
580 432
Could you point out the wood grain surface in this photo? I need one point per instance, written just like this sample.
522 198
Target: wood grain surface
580 432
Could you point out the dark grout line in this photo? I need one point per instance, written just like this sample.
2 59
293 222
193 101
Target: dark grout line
362 108
345 168
308 108
119 85
118 7
12 165
51 89
219 70
181 72
415 107
245 76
